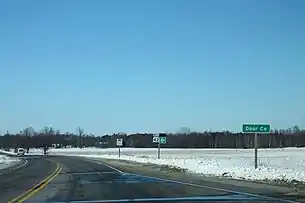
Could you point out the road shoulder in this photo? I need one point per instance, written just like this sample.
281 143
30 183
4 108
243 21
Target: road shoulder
14 166
166 172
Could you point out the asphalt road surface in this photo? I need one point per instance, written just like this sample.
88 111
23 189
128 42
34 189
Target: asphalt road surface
17 179
72 179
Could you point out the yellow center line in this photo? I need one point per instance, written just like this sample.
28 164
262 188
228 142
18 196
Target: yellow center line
33 190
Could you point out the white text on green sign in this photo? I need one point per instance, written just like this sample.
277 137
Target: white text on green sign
256 128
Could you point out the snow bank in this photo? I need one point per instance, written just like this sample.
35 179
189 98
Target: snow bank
6 161
273 164
11 152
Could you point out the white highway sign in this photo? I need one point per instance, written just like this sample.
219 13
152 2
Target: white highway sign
155 139
119 142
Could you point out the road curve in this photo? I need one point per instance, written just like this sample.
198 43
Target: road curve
92 181
74 179
17 179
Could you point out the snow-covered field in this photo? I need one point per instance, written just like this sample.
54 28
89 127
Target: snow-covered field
6 161
274 164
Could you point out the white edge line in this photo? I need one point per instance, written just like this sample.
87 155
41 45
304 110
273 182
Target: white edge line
89 173
95 161
197 185
13 169
218 189
25 163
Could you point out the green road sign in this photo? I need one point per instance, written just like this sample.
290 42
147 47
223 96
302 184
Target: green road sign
162 140
256 128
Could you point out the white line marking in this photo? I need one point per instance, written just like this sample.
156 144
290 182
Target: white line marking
200 186
13 169
93 173
172 199
217 189
95 161
25 163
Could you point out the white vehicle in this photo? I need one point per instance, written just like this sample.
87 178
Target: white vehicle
20 152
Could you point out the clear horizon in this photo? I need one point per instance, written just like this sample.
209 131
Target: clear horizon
2 132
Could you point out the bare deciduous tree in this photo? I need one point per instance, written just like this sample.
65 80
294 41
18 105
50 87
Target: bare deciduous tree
27 132
47 132
80 133
294 137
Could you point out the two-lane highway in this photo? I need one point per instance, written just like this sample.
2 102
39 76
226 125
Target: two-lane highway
92 181
79 179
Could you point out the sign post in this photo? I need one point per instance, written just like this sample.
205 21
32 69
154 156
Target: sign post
256 128
159 146
255 150
119 143
160 139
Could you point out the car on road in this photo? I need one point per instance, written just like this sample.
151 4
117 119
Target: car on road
20 152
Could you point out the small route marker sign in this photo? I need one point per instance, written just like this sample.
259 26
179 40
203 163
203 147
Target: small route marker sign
162 140
155 139
119 142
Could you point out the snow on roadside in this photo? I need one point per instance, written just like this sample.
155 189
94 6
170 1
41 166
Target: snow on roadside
274 164
6 161
11 152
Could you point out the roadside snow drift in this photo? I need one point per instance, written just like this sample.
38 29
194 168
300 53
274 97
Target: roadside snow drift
273 164
11 152
6 161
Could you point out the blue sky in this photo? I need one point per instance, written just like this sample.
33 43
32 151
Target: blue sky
135 66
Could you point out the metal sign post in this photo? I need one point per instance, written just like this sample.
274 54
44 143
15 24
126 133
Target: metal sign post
255 150
162 140
159 146
256 128
119 143
119 151
156 139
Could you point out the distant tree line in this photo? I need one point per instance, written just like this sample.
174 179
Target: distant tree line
49 137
